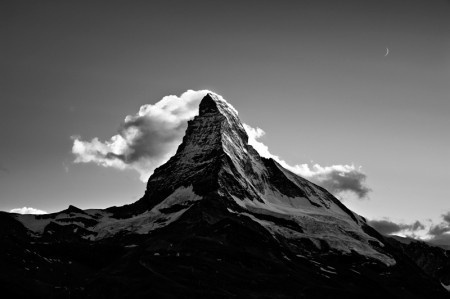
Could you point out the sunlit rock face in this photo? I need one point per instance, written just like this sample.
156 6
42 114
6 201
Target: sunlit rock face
216 221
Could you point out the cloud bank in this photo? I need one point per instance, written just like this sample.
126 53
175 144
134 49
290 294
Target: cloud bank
436 234
149 138
27 210
387 227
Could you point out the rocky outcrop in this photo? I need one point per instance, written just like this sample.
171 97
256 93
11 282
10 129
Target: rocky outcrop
433 260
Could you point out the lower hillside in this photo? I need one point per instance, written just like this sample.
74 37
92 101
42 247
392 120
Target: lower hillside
208 252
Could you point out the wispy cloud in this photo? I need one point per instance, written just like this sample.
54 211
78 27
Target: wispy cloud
65 167
27 210
149 138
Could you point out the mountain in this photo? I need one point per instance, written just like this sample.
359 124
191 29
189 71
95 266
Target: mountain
432 259
217 220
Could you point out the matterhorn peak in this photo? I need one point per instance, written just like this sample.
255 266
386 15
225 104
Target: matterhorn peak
213 102
216 160
213 108
209 104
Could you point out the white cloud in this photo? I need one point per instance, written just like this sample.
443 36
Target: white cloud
253 135
338 179
27 210
145 140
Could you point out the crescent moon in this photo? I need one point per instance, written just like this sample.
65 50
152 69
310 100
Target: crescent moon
387 52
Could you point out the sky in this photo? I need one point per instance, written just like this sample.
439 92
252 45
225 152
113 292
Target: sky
314 75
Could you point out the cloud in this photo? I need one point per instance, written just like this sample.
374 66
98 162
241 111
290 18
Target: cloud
446 217
27 210
387 227
441 232
439 235
149 138
435 234
417 226
145 140
338 179
439 229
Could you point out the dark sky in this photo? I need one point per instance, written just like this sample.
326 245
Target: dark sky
312 74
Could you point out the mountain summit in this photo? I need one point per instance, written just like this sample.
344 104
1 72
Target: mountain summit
216 220
216 161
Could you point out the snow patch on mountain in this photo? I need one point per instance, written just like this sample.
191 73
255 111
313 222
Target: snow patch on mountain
105 225
317 224
149 220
